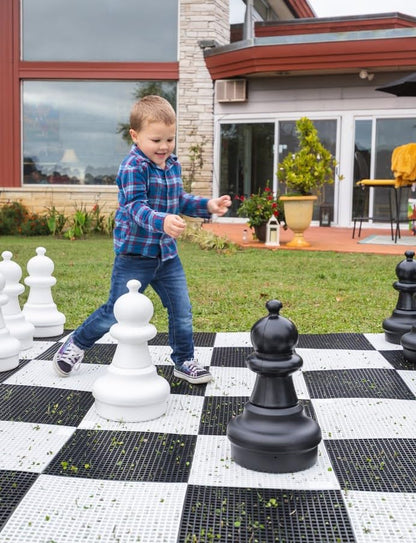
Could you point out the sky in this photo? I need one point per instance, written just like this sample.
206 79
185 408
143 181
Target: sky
333 8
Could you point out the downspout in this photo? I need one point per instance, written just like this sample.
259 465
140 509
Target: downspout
248 29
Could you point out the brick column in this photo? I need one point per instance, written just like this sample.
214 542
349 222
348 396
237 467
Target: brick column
200 20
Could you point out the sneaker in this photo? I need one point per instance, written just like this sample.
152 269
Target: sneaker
68 358
191 372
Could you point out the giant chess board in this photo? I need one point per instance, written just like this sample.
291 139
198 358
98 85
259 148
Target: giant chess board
68 475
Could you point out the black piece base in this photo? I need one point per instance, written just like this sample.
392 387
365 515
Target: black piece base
399 323
408 342
274 440
274 462
393 337
409 355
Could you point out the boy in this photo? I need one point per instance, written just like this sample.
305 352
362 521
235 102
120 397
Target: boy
147 223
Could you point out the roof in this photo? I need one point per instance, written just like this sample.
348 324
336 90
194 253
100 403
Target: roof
328 45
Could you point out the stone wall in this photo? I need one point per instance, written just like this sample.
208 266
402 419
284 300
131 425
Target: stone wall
38 198
201 22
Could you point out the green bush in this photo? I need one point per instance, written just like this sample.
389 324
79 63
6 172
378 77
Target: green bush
35 225
85 222
12 218
208 241
56 221
16 219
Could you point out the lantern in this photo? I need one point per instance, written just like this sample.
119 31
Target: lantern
325 213
273 232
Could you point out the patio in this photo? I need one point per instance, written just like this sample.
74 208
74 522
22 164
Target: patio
323 239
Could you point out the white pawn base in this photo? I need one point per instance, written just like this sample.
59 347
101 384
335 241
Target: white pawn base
9 351
46 319
48 331
131 395
21 329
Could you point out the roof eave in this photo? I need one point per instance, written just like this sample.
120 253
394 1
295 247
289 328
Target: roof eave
314 54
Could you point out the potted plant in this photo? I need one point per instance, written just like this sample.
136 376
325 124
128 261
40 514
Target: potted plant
258 208
304 171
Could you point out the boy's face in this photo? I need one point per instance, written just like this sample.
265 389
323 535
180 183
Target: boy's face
156 140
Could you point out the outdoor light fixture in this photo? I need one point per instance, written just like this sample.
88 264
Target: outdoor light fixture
273 232
325 212
365 75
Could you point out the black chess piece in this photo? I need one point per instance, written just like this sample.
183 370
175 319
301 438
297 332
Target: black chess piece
408 342
404 315
273 434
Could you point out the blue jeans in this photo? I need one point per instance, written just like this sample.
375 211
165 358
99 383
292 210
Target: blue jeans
168 280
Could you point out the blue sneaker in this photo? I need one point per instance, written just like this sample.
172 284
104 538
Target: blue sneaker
68 358
193 373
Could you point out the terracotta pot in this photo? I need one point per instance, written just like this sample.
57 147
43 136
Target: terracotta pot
298 217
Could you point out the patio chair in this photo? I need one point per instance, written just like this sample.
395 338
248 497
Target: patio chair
403 165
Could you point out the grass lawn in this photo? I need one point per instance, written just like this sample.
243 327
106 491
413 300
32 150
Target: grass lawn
321 292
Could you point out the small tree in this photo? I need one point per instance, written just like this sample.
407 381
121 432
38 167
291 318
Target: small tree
311 166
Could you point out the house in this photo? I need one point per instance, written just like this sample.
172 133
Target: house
70 72
327 69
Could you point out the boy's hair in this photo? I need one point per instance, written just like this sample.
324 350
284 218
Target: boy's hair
151 108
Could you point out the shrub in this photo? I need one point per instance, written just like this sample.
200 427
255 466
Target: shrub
311 166
35 225
208 241
12 217
109 224
259 207
56 221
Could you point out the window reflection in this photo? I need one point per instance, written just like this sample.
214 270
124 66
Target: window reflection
362 167
246 160
97 30
288 143
76 132
389 133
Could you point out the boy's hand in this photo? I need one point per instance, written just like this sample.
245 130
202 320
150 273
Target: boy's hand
173 225
220 205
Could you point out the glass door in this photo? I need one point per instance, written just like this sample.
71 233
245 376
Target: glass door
246 161
362 167
390 133
375 140
327 131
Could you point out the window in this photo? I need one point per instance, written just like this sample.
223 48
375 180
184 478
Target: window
246 159
362 167
76 132
288 141
100 30
389 133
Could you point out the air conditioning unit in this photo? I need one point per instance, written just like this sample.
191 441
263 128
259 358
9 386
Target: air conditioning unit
231 90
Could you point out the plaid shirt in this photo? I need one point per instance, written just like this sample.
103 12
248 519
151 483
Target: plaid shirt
146 195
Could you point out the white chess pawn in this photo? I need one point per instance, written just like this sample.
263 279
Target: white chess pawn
40 308
9 346
19 327
131 390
